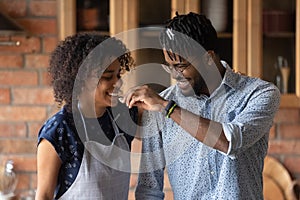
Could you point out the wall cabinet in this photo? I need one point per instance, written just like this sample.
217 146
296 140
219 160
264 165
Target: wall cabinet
249 43
269 38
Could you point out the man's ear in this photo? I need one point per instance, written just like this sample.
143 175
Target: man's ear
209 57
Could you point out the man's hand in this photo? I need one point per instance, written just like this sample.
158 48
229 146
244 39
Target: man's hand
144 97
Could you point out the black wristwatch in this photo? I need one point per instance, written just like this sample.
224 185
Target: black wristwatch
169 108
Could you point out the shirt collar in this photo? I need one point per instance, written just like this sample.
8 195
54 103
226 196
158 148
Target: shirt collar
230 77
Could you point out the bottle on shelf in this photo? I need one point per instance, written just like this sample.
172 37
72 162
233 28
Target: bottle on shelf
8 181
285 72
278 77
282 74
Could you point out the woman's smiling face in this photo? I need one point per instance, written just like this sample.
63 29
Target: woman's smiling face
108 86
101 92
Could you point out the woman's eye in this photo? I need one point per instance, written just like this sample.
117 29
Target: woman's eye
107 78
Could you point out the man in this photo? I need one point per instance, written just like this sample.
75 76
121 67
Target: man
210 130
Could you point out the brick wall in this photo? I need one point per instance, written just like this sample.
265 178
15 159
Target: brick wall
26 99
285 140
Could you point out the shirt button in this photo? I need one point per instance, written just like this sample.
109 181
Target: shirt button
212 172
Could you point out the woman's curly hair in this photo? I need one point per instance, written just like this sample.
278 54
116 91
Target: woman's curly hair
70 54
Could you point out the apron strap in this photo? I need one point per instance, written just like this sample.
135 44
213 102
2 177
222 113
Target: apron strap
82 118
116 129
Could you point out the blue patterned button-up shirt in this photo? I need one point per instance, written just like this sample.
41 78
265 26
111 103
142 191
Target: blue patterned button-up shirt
246 107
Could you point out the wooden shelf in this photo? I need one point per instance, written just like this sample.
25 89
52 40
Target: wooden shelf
280 35
289 101
224 35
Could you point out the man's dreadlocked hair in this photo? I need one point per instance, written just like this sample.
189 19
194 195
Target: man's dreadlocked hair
183 30
70 55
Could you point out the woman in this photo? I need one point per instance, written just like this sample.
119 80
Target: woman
83 150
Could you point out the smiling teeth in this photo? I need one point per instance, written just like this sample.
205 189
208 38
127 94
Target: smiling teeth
114 94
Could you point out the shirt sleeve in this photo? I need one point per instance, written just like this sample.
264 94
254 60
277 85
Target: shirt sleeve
57 133
254 121
151 174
